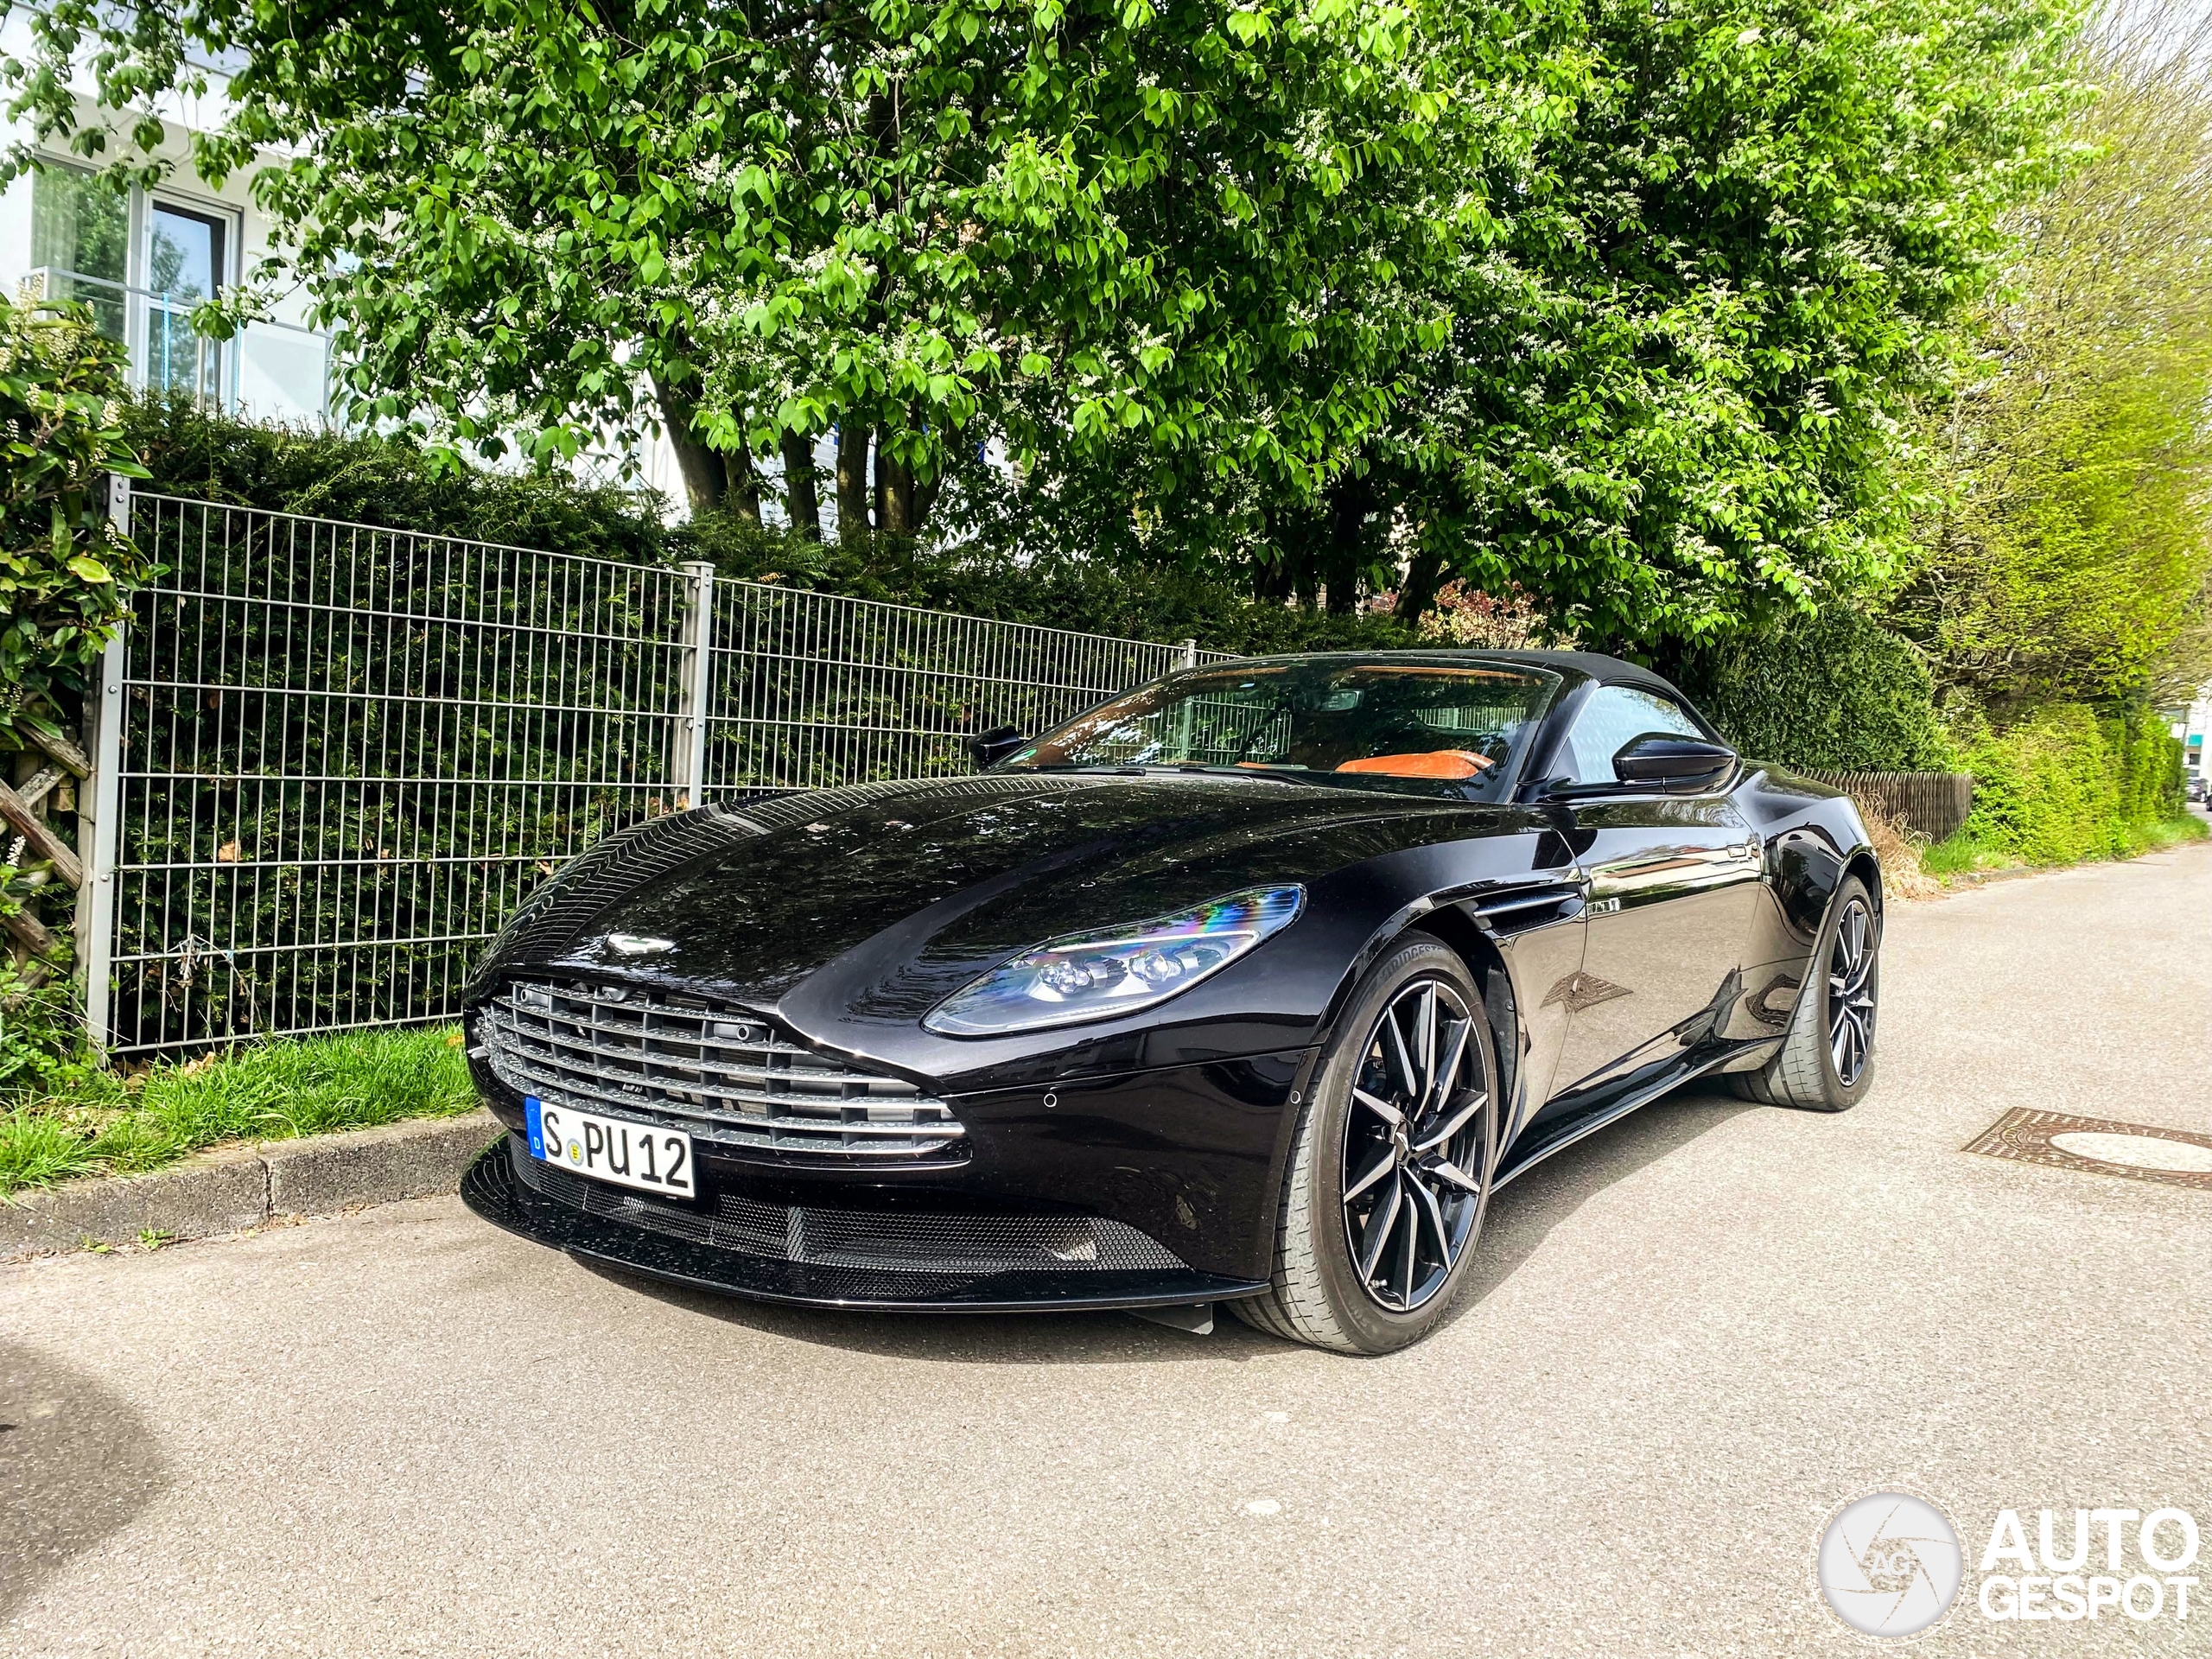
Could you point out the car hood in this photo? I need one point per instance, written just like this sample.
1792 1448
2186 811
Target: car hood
914 888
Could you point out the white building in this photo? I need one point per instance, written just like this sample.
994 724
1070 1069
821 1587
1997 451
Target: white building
2189 724
142 264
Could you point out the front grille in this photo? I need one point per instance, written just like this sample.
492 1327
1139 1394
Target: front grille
730 1078
889 1240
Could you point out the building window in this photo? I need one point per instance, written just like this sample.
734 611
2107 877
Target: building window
184 268
80 242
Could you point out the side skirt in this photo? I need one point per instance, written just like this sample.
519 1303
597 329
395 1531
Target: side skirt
1558 1137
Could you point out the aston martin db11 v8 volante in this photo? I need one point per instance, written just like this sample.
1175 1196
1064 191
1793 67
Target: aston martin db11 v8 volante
1250 985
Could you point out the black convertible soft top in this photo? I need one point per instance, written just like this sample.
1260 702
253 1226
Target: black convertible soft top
1588 663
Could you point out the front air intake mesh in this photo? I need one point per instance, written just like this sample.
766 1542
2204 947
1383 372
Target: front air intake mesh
888 1241
729 1077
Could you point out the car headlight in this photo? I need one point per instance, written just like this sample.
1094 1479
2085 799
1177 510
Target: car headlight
1097 976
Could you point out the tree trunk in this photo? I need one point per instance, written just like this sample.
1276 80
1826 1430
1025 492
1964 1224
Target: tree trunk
802 491
894 492
1296 531
706 481
744 489
879 488
926 494
1417 594
1345 554
1271 582
852 482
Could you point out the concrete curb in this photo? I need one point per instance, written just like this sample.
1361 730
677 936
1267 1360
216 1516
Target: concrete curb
244 1186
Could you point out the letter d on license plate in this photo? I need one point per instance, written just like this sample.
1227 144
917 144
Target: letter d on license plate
609 1149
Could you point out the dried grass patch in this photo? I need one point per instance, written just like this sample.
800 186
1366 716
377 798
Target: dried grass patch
1900 849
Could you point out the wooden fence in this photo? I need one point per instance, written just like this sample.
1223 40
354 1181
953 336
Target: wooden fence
1930 803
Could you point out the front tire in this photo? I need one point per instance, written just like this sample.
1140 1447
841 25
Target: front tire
1827 1062
1389 1175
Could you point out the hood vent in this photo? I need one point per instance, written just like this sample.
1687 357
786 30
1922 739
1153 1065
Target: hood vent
728 1077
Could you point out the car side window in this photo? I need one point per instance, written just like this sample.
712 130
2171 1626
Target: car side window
1613 715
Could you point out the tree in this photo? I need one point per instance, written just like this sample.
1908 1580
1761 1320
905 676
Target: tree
1708 260
1678 411
2067 554
65 571
1628 306
1070 225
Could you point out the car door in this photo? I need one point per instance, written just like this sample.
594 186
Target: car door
1674 882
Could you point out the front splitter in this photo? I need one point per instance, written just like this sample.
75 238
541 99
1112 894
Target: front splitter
491 1189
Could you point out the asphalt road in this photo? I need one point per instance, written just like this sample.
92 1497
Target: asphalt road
1690 1338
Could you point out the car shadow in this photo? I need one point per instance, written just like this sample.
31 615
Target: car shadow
76 1463
1521 1215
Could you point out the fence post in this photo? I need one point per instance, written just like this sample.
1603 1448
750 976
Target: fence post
1190 654
698 684
99 820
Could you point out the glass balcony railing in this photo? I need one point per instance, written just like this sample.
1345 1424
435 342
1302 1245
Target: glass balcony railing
266 371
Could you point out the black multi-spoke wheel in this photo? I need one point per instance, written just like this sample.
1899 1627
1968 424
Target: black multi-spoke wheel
1417 1124
1826 1059
1391 1171
1851 992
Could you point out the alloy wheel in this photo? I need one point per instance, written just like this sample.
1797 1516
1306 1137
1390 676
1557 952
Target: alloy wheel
1416 1146
1851 992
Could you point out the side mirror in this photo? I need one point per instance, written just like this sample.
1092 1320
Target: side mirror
990 748
1681 766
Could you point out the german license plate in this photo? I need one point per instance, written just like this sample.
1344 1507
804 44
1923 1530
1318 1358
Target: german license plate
609 1149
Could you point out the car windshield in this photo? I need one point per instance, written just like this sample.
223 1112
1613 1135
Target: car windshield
1459 724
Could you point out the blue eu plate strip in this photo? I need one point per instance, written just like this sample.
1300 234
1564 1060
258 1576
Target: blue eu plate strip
532 1106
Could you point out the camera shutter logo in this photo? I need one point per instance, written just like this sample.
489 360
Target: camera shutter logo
1889 1564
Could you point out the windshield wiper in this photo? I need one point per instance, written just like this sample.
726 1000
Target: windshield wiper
1206 770
1142 768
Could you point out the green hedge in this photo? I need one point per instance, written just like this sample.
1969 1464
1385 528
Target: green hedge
2069 783
373 479
1834 692
395 481
977 580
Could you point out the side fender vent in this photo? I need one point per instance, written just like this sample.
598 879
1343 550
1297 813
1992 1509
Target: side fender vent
1518 910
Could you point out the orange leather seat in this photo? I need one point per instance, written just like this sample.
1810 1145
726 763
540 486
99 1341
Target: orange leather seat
1437 763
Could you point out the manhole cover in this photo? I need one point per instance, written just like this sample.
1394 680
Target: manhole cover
2100 1147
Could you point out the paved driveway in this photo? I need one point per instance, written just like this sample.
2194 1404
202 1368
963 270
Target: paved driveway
1691 1338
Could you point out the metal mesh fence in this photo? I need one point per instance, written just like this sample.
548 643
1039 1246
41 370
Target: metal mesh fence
809 691
347 753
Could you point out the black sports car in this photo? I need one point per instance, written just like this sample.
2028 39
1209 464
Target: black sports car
1250 985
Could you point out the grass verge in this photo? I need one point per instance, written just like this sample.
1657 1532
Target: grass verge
270 1091
1966 854
1912 869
